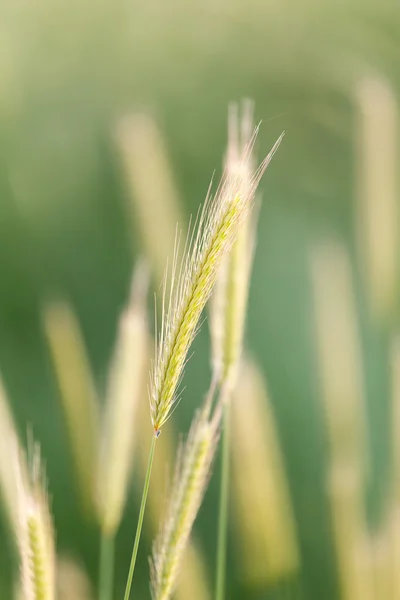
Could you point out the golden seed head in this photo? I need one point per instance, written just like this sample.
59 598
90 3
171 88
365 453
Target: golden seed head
193 281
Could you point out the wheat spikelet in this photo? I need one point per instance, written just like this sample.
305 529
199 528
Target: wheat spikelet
219 223
263 517
229 300
35 533
190 482
124 390
77 392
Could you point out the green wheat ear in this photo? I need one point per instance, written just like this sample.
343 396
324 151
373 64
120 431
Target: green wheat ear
35 532
193 280
190 482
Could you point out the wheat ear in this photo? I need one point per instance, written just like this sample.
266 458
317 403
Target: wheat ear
229 300
125 385
190 482
192 283
35 534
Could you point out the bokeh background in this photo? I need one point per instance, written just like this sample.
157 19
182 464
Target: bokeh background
69 71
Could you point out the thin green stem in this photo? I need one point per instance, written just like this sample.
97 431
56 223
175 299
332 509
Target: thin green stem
223 504
140 519
106 574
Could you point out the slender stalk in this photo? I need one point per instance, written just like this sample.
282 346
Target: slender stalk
223 505
140 519
106 574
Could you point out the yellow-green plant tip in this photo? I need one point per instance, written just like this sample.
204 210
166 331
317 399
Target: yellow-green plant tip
188 489
192 283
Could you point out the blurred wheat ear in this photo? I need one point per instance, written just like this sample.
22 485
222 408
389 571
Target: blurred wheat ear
341 389
265 532
125 390
78 395
377 155
153 199
9 442
35 533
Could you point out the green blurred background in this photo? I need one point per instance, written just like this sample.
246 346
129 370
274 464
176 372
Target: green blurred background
68 71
